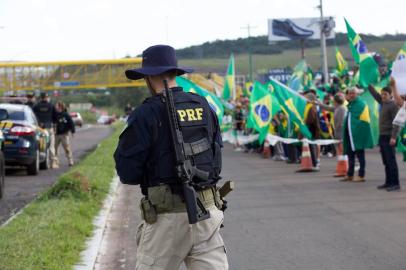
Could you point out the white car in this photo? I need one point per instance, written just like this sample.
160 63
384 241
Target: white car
105 120
76 118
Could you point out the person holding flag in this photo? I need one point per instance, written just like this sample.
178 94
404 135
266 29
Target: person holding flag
339 112
387 136
357 134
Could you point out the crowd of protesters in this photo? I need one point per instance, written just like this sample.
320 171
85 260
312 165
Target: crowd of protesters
337 117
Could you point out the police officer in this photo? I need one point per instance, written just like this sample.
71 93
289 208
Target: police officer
145 157
46 115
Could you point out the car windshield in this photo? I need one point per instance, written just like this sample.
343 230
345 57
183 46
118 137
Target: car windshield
16 115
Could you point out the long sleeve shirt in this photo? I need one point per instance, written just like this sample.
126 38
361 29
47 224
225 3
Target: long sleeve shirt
387 113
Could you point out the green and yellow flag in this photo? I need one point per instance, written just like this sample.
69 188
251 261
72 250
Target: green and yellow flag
299 76
214 102
261 110
368 68
373 110
402 53
342 65
229 80
293 104
248 89
360 132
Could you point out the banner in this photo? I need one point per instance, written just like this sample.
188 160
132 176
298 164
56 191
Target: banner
399 71
299 28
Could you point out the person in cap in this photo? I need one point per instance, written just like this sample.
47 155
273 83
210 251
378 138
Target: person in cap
387 136
311 119
357 134
144 156
46 116
30 100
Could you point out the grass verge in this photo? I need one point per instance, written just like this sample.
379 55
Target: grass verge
52 231
89 117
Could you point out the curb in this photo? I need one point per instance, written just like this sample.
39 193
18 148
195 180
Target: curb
89 255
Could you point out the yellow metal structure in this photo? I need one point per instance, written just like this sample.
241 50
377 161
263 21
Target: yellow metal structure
30 76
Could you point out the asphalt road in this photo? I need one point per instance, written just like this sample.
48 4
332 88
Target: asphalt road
21 189
282 220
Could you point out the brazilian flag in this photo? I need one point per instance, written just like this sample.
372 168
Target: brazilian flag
300 76
402 53
214 102
368 68
293 104
261 110
229 80
248 89
342 65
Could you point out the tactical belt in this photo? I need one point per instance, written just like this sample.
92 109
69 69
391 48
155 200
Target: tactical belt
197 147
161 200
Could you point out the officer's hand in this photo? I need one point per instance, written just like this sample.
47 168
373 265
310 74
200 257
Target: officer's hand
392 142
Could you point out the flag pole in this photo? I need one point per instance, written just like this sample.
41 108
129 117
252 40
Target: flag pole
323 44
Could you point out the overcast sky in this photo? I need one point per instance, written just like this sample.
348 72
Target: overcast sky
43 30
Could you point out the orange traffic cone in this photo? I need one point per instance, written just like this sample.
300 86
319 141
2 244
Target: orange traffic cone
342 162
306 164
342 166
266 152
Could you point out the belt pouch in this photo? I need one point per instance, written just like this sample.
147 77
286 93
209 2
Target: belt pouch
148 211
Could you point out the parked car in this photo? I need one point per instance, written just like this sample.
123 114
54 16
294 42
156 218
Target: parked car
2 167
76 118
105 120
25 143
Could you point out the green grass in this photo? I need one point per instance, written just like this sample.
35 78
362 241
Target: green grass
88 117
262 63
51 232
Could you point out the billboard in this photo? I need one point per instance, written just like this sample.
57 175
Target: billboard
300 28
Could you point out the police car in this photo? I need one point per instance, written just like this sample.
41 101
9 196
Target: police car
2 167
25 143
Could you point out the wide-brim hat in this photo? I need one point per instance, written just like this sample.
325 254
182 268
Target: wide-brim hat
156 60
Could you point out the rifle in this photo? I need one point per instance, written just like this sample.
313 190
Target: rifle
184 169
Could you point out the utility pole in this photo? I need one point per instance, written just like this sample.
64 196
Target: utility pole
323 44
249 27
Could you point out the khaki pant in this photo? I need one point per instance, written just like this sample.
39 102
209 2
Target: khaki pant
171 240
64 139
52 155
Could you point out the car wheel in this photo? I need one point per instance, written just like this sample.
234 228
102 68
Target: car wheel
33 168
46 164
2 172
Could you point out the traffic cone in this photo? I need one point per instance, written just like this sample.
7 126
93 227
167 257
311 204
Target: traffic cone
266 152
306 164
342 166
